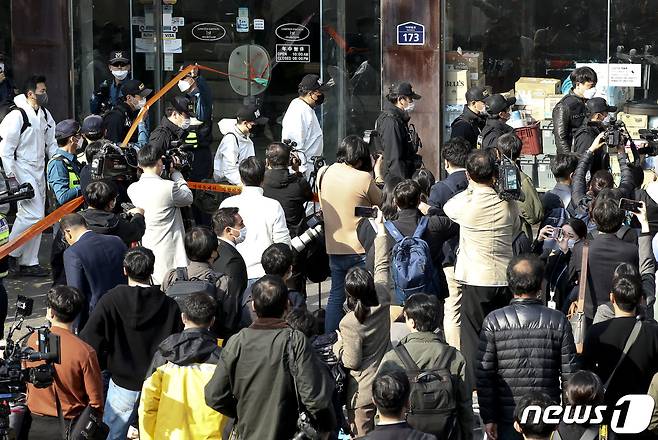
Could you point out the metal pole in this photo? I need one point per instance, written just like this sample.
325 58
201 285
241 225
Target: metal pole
157 74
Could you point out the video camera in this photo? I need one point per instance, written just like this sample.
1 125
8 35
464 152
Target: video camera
651 136
13 375
182 152
115 163
616 135
295 158
16 192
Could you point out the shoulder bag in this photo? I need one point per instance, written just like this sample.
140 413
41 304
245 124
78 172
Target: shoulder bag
577 310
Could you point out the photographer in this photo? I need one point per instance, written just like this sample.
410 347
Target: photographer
174 125
597 113
291 190
343 186
583 192
161 201
236 145
117 122
101 197
77 378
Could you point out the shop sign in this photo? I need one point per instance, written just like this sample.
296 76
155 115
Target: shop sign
293 53
292 32
411 34
208 31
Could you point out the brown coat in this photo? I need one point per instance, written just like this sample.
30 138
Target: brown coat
362 346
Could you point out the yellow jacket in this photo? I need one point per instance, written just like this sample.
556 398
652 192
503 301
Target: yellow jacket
172 405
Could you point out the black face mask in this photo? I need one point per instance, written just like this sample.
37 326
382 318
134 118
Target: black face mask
319 99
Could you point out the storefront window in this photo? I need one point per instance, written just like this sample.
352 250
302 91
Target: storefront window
262 50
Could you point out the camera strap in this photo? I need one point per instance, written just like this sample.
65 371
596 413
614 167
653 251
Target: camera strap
60 415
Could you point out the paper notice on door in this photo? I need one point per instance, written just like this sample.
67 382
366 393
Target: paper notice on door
167 13
150 61
144 45
172 46
169 62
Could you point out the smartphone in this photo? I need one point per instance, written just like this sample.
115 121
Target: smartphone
630 205
557 234
365 211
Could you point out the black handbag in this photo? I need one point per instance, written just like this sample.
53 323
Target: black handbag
87 426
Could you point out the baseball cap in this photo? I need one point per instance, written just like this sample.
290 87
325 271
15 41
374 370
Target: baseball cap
134 87
311 82
66 128
477 94
183 105
402 88
497 103
92 125
251 113
599 105
119 56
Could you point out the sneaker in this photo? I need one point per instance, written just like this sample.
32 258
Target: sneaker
34 271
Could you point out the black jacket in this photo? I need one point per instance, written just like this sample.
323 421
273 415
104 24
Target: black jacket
126 328
117 122
393 126
129 229
231 263
523 347
166 133
440 193
468 125
192 346
568 116
606 251
292 191
582 140
493 129
604 343
398 431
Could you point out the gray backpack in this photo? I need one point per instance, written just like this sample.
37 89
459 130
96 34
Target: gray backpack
183 285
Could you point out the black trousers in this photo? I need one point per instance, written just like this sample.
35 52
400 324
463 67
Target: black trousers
44 427
477 303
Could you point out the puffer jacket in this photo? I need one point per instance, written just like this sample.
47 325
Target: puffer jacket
493 129
292 191
568 116
523 347
172 403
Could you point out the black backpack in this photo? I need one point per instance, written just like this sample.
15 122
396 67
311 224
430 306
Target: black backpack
7 108
433 396
183 285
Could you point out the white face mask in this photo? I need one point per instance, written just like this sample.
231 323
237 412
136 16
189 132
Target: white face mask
589 93
410 107
81 141
141 103
243 234
571 243
183 85
120 74
186 123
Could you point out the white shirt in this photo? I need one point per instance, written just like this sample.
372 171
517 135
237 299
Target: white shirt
233 149
301 125
265 222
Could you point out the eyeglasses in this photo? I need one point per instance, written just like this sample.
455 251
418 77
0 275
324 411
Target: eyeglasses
119 65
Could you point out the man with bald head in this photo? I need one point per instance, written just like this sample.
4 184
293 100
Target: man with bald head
523 346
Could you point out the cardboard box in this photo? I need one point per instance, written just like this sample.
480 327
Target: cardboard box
549 104
547 136
635 121
471 61
531 92
456 85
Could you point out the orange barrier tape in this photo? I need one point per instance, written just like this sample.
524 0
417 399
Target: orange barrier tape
219 187
41 226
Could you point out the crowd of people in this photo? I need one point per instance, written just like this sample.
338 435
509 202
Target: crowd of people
183 320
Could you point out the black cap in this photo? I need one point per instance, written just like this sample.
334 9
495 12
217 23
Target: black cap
402 88
477 94
497 103
92 125
183 105
311 83
251 113
134 87
119 56
599 105
66 128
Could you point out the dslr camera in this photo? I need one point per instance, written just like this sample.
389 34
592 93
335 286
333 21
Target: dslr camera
305 429
295 159
651 148
314 232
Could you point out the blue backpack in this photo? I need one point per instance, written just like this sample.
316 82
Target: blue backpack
411 263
